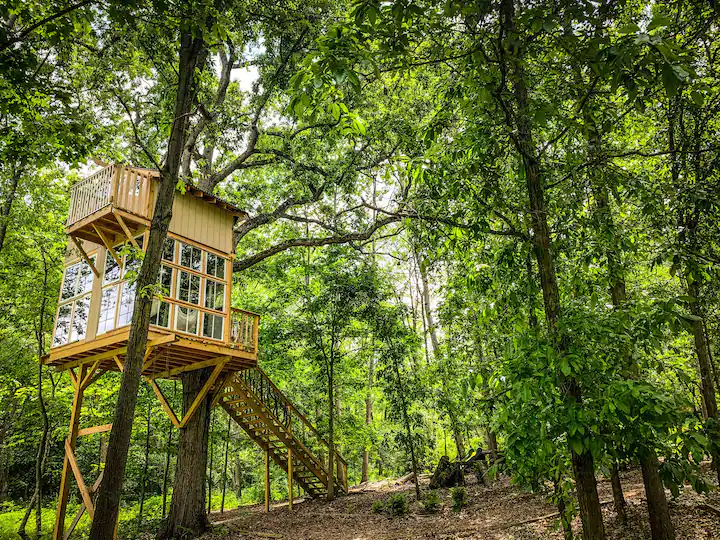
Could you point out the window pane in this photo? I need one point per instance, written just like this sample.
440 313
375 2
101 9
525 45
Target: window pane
190 256
186 320
215 266
108 301
112 269
80 319
189 288
69 282
160 314
62 326
85 281
165 280
213 326
168 253
127 301
214 295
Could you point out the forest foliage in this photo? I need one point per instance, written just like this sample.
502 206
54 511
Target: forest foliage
489 224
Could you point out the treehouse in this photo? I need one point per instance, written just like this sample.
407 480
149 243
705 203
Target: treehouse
192 324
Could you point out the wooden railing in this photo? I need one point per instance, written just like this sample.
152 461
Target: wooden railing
301 428
124 187
244 327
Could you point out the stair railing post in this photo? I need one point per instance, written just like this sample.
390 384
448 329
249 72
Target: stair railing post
267 479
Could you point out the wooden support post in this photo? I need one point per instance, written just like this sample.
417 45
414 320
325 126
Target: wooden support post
163 401
84 255
126 230
267 480
70 444
108 244
290 479
203 393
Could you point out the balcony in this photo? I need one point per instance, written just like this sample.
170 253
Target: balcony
110 202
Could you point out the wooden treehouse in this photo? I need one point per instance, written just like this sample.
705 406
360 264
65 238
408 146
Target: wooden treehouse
192 325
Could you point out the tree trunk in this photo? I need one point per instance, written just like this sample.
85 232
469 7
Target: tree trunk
192 55
583 464
368 418
408 429
187 517
225 465
618 497
7 204
145 467
661 527
210 466
166 472
331 426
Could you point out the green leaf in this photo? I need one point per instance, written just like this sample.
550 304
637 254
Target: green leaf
670 80
698 98
631 28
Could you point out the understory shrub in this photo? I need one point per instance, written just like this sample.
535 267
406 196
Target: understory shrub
431 502
459 497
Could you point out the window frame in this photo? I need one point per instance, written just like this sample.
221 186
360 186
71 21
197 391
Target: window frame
78 295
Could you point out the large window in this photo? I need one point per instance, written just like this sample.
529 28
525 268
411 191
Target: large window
127 303
74 309
168 253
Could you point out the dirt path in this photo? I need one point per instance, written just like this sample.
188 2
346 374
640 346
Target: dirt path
494 513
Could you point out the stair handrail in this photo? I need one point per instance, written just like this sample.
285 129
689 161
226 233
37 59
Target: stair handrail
291 434
299 414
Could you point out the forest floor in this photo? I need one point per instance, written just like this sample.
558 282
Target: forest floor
499 512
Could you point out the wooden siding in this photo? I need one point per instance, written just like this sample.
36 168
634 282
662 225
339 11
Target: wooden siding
204 223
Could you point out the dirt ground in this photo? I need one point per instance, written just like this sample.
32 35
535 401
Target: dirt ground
493 513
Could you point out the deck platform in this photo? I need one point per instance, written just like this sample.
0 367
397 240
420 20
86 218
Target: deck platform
168 354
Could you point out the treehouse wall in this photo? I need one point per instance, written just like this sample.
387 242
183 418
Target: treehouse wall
202 222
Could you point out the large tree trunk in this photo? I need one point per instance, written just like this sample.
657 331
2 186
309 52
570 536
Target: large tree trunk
187 517
7 204
192 55
583 464
661 527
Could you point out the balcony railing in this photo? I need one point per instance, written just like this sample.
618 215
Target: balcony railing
244 327
124 188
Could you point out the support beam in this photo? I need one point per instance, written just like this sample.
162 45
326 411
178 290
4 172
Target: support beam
81 511
201 396
119 364
163 401
90 372
70 454
64 493
73 377
267 480
85 256
168 374
107 243
95 429
126 230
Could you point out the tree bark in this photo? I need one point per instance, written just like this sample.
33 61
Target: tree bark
583 464
191 56
225 465
166 472
661 527
618 497
368 418
145 467
7 204
187 517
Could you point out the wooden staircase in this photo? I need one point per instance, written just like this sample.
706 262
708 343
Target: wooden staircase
271 420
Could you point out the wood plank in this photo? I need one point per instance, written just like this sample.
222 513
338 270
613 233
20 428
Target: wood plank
191 367
106 355
90 372
119 364
107 243
85 256
163 401
201 395
95 429
79 479
126 230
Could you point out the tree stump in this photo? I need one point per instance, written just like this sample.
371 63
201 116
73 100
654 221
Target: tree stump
447 474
